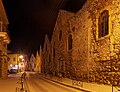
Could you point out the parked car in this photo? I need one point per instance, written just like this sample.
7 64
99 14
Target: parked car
13 71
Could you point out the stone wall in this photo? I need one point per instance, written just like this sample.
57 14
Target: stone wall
91 59
80 26
60 44
46 53
102 50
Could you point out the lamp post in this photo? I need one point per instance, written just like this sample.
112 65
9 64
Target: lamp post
21 56
20 59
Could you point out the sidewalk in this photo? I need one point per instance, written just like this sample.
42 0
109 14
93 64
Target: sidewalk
87 87
9 84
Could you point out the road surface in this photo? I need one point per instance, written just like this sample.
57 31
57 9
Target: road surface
36 83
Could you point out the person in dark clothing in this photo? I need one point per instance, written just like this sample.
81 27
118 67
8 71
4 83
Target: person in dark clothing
23 75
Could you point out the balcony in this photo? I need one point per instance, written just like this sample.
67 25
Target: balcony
5 37
3 49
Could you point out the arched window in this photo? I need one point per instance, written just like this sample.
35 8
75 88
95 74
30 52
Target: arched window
49 58
70 42
60 35
73 29
103 24
46 47
53 52
13 59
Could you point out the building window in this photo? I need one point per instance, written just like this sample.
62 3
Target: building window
4 45
60 35
4 28
73 29
46 47
49 58
8 59
103 24
70 42
5 60
13 59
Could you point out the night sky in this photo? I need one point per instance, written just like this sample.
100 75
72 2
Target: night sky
30 20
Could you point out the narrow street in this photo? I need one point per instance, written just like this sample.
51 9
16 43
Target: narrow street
36 83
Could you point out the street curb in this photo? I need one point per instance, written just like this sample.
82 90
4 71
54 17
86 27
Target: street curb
85 90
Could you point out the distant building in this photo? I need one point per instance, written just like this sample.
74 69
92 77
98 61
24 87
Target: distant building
17 61
41 58
46 59
37 63
31 63
86 45
4 40
13 61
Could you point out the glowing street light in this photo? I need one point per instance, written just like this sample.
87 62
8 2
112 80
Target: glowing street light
21 56
22 59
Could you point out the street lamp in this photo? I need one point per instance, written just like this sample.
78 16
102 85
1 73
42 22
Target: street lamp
22 63
21 56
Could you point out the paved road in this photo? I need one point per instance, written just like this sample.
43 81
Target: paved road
36 83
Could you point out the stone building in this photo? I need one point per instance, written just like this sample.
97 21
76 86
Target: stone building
37 63
59 44
86 45
96 41
46 57
13 61
41 59
31 63
17 61
4 40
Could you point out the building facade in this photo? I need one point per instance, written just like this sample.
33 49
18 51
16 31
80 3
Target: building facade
17 61
86 45
31 63
37 63
60 55
46 57
13 61
4 40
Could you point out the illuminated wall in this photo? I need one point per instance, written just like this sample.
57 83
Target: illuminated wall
94 56
59 43
4 38
46 53
101 54
13 60
37 67
31 63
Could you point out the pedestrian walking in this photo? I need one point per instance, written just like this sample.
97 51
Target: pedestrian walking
23 75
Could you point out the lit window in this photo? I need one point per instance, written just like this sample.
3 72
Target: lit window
103 24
